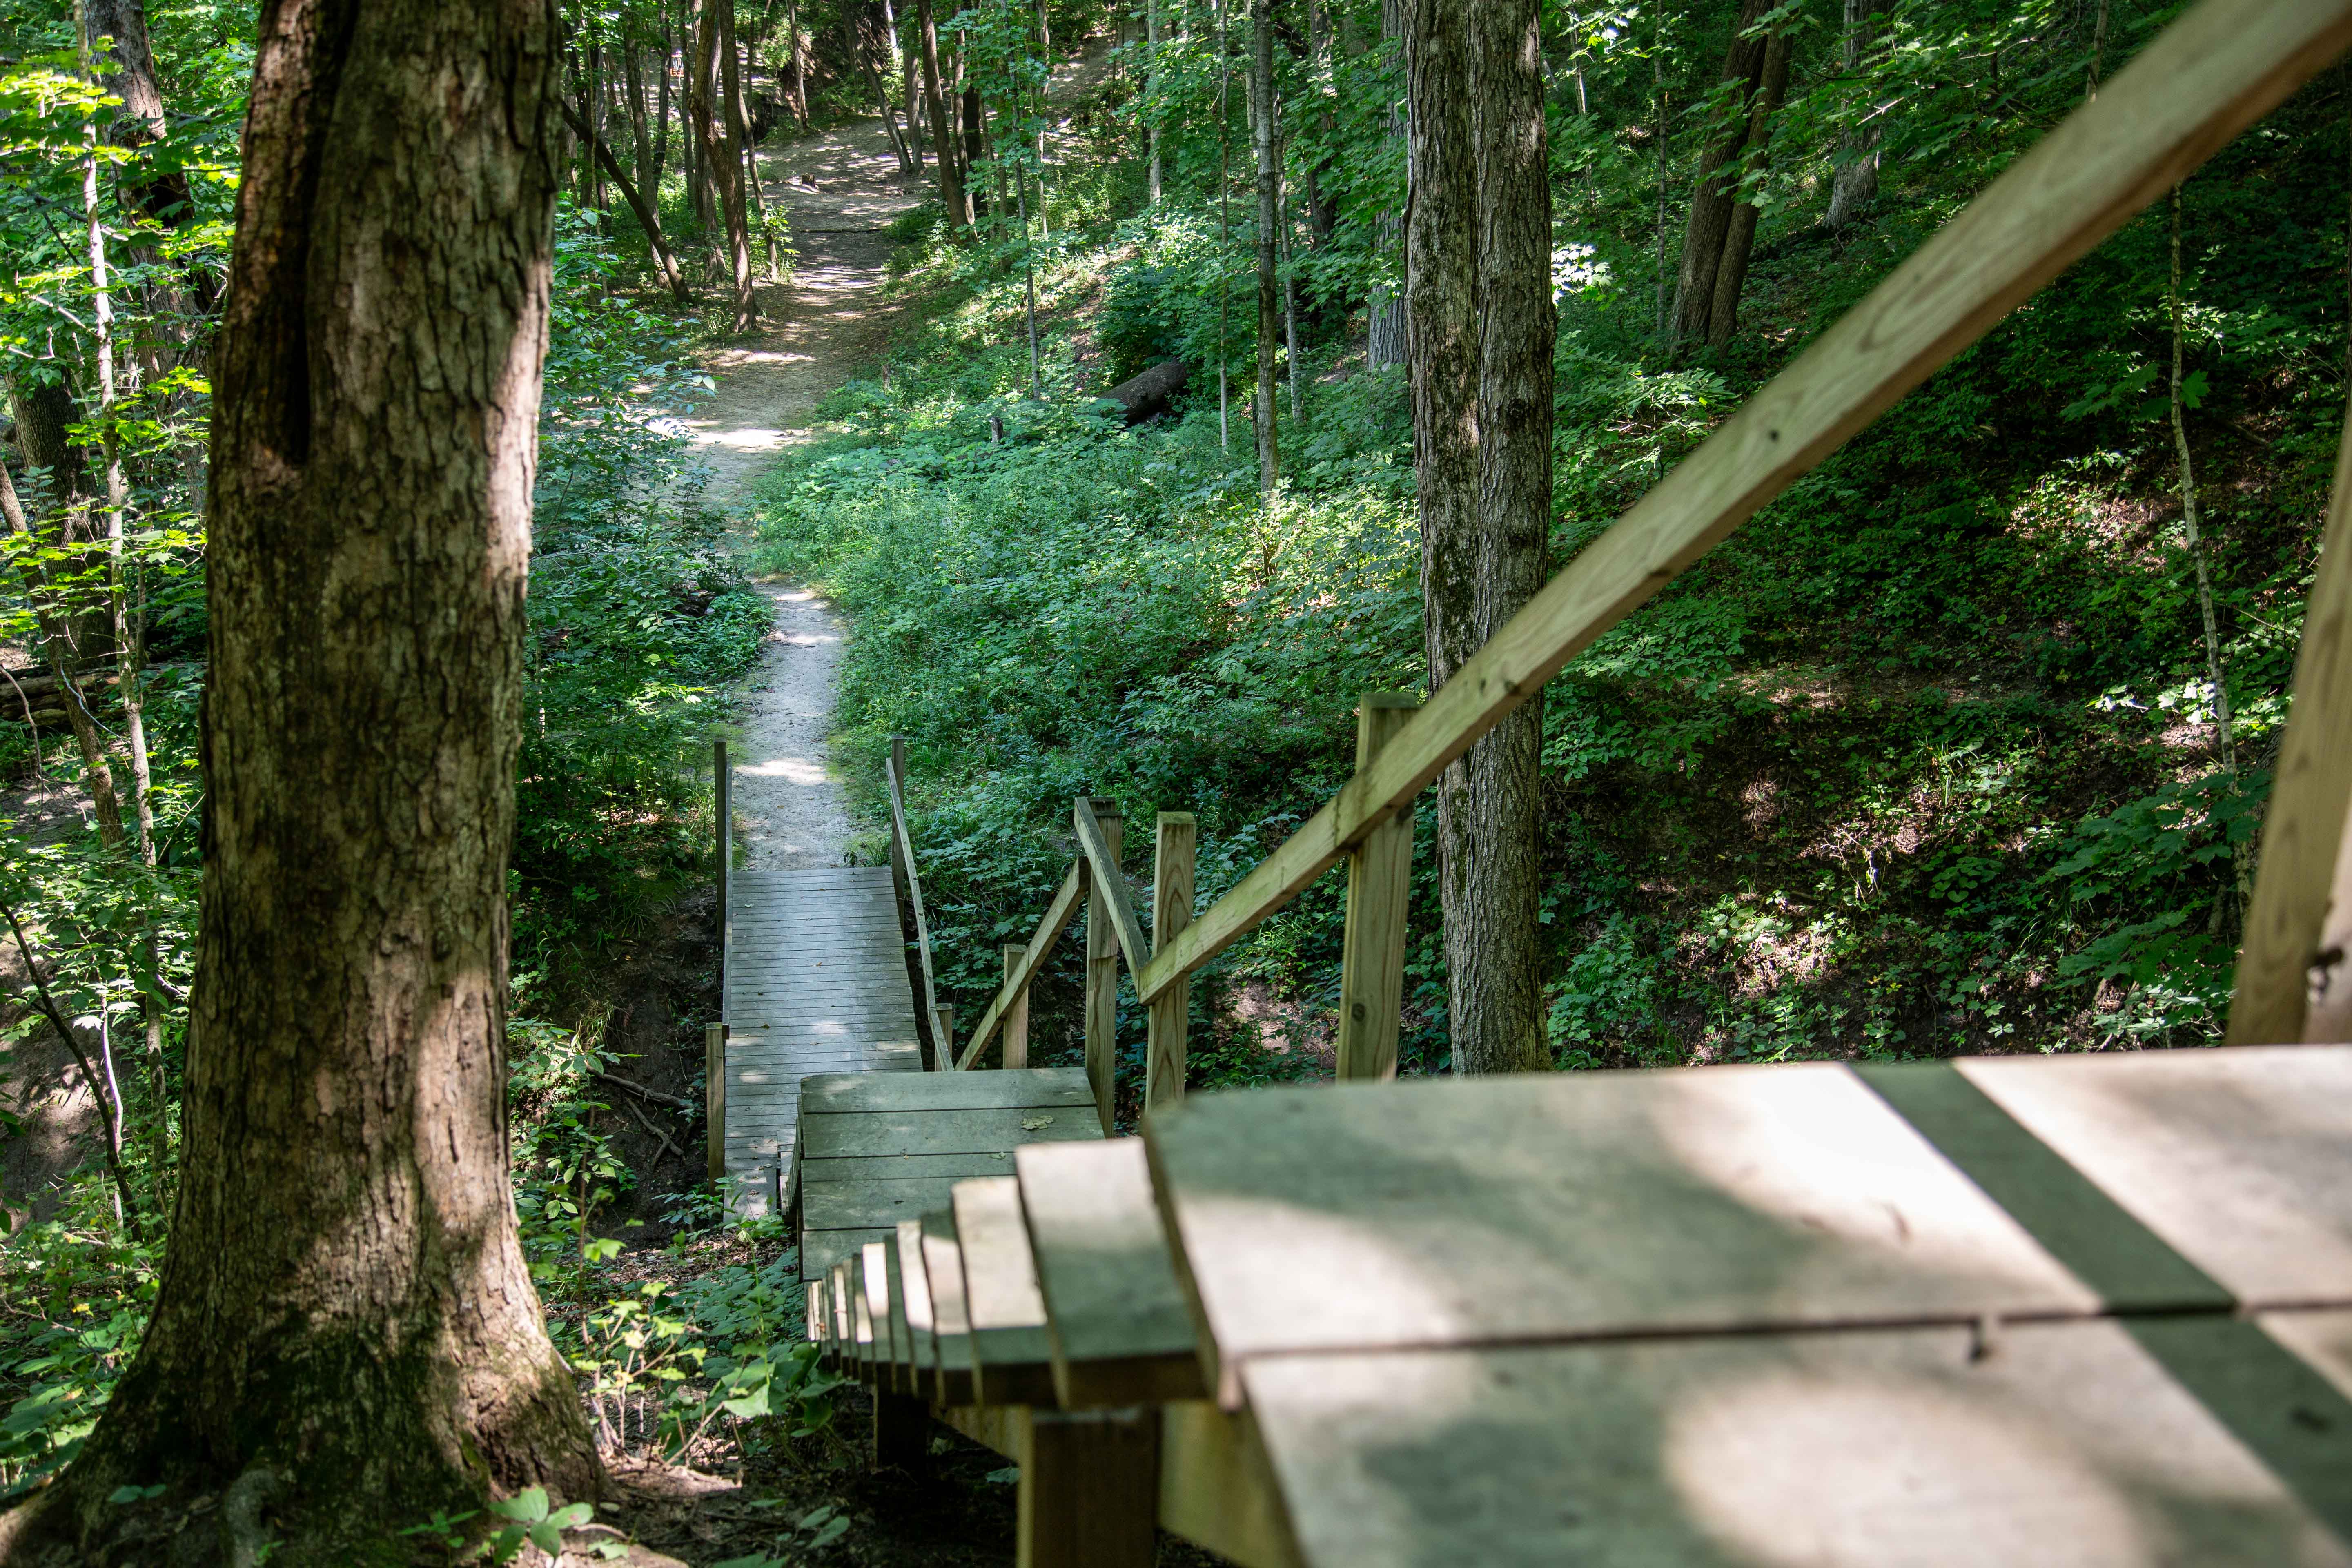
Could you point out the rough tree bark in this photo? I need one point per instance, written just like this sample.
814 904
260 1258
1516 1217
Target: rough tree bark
1718 180
1478 302
346 1337
722 158
1269 214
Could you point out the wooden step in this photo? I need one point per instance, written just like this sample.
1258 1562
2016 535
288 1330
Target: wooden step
1121 1328
1012 1362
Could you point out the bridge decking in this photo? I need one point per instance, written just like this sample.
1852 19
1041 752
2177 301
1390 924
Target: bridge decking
815 983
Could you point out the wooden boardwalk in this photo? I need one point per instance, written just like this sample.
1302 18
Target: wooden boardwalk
815 983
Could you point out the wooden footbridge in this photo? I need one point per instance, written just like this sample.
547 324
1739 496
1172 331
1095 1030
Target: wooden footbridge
2037 1311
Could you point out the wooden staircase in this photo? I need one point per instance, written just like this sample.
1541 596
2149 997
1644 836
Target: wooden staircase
2038 1312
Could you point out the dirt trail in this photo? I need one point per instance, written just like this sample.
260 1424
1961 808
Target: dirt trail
841 188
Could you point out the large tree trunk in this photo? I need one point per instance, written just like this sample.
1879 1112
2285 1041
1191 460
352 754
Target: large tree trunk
1740 236
1270 212
714 127
1718 179
1488 849
943 140
1478 302
346 1331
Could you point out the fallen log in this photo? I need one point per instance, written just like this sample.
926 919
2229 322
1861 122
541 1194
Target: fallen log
1150 393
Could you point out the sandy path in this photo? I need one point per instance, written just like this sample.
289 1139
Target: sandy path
789 809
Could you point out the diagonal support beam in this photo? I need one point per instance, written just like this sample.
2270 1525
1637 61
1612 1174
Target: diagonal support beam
1131 945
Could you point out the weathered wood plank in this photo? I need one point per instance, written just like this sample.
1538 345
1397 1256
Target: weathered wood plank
1121 1328
912 1291
1028 1087
2241 1160
1217 1487
861 1205
1585 1206
2210 74
950 1323
1098 1004
1015 1056
1012 1361
821 1249
1379 886
902 846
1089 1491
1102 856
907 1167
1175 844
1831 1449
939 1132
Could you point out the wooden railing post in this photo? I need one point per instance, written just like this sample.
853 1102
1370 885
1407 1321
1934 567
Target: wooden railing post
1380 882
722 856
714 1068
1172 910
1016 1014
945 1019
910 889
1102 966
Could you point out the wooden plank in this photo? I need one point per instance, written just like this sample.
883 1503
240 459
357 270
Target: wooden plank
903 1362
722 859
909 1167
819 1320
1099 1005
1379 886
1089 1491
2323 1338
1121 1328
2214 71
1011 1360
912 1288
1059 914
1170 1014
1016 1057
1577 1206
1217 1487
861 1205
2241 1160
714 1115
950 1323
2302 874
1028 1087
1102 856
903 843
821 1249
941 1131
1005 1429
873 1276
1833 1451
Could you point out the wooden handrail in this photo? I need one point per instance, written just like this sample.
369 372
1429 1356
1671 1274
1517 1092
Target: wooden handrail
902 856
1058 915
2206 78
1113 882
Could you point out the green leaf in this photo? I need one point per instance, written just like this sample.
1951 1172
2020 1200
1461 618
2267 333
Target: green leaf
528 1504
121 1495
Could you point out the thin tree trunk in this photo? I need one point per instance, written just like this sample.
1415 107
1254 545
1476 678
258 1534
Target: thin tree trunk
14 1528
1225 232
665 259
649 166
746 150
661 110
944 142
346 1326
2189 520
1716 192
1269 208
695 116
1290 317
1386 335
1151 94
903 67
1740 238
1666 127
56 648
1854 184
